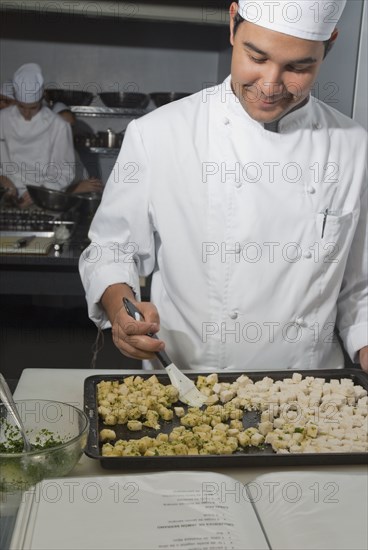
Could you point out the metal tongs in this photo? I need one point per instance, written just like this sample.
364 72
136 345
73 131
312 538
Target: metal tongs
188 392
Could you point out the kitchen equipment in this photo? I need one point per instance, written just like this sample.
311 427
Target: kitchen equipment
69 97
162 98
25 242
250 456
110 139
7 398
89 202
58 430
32 219
188 392
50 199
86 140
128 100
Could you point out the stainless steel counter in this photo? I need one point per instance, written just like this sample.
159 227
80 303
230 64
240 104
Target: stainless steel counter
52 274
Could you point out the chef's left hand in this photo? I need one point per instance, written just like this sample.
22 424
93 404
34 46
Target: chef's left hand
91 185
25 201
363 357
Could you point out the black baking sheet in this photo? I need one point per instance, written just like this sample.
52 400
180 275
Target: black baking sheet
250 456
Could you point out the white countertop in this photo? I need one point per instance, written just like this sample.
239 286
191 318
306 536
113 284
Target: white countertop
67 385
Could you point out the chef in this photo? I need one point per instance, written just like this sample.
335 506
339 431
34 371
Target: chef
35 145
248 202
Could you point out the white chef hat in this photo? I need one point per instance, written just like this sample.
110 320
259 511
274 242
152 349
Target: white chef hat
7 90
308 19
28 83
59 107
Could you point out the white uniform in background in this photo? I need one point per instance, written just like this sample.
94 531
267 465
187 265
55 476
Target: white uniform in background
37 151
249 271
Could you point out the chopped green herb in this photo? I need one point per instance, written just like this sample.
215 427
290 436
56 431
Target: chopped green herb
14 442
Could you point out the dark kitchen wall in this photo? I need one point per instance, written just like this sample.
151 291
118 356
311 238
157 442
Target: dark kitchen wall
111 54
117 53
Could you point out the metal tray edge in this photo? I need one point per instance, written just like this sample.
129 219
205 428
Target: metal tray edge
225 461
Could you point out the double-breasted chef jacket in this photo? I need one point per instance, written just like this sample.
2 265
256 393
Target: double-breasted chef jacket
37 151
257 240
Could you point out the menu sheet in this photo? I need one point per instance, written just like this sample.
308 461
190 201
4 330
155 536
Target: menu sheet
194 510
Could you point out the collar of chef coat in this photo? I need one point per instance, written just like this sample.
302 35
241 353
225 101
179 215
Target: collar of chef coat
27 129
300 118
18 115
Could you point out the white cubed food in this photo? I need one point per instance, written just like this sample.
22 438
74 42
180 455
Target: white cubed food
265 427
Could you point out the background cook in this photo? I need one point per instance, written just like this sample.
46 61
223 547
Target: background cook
84 182
36 145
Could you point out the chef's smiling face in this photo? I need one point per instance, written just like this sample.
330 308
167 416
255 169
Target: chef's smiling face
271 72
29 110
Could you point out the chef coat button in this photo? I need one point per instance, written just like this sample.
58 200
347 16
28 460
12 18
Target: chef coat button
233 315
238 184
237 248
307 254
311 189
299 321
226 121
317 126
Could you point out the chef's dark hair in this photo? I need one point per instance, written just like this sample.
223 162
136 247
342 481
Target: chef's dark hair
238 19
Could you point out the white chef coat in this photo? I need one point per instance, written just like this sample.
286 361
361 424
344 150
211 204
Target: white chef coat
37 151
229 217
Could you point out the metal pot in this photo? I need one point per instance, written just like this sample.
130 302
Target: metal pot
69 97
110 139
86 140
127 100
161 98
89 202
49 199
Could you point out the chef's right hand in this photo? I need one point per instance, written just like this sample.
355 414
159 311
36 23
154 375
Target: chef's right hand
129 335
25 201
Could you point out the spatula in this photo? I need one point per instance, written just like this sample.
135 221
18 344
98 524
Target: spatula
188 392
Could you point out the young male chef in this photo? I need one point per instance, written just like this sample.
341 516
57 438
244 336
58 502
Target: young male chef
36 146
247 201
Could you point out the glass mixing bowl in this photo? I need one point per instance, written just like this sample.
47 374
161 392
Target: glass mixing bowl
58 433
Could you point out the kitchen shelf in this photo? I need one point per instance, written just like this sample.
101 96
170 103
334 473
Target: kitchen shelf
207 13
91 111
107 151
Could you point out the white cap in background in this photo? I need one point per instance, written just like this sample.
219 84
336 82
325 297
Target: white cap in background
308 19
28 83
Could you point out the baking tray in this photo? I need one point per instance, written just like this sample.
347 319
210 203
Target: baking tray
250 456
